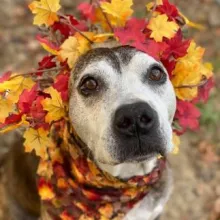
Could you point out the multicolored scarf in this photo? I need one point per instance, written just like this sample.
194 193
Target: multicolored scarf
80 190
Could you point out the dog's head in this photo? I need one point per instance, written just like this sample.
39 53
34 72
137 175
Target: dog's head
122 105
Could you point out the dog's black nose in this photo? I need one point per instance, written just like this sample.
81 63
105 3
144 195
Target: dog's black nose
134 119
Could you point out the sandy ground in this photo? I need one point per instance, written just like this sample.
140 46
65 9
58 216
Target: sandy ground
196 194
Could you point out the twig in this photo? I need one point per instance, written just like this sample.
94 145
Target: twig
76 29
37 71
106 17
153 9
192 86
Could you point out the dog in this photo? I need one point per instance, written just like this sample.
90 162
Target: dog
121 105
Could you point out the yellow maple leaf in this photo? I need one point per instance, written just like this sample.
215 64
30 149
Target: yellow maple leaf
6 107
15 86
189 71
194 53
38 140
46 11
73 47
161 27
53 105
119 11
176 144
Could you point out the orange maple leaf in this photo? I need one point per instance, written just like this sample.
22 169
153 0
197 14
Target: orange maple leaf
46 11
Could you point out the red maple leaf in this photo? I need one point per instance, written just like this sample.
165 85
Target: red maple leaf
153 48
187 115
47 62
169 9
66 30
61 85
177 47
204 91
87 11
169 65
26 100
132 33
5 76
12 119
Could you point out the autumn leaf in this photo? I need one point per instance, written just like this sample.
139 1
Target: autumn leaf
5 76
177 47
87 10
161 27
15 87
66 30
189 71
54 106
169 9
45 168
38 140
45 11
48 45
150 5
204 91
119 10
73 47
176 144
6 107
47 62
194 53
61 85
132 32
13 122
187 115
45 190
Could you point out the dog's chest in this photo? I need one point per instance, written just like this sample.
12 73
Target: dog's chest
152 205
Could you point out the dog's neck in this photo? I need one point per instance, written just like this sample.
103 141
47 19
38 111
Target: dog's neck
128 170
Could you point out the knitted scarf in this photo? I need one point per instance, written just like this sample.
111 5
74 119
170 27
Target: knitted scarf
80 190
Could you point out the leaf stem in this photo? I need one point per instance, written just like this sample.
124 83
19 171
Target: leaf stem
76 29
105 16
37 71
202 83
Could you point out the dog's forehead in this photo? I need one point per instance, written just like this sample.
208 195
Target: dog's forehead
116 57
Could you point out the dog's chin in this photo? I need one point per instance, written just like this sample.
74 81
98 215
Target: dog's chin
135 159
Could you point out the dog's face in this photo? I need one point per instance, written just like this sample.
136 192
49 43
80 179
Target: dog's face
122 105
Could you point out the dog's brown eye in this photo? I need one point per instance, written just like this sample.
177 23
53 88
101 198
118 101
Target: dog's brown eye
88 85
156 74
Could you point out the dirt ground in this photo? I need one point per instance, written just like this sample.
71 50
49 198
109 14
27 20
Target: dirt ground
196 168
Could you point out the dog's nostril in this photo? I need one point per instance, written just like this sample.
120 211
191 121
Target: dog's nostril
145 119
125 123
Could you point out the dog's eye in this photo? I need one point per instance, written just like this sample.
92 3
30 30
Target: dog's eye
156 74
88 85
